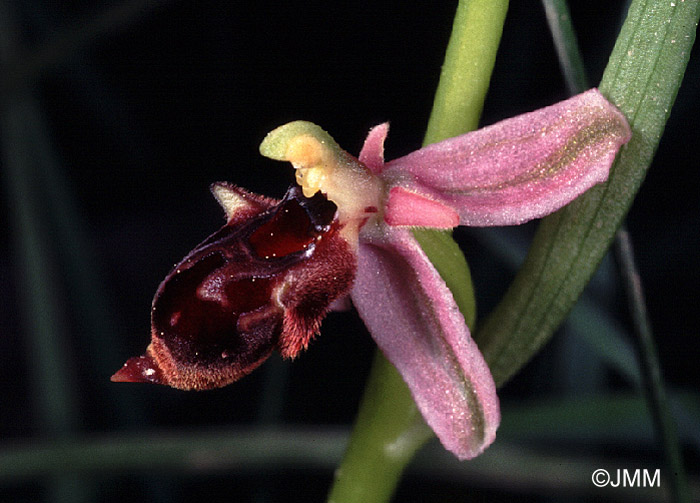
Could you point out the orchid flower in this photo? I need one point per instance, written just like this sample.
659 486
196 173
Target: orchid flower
267 278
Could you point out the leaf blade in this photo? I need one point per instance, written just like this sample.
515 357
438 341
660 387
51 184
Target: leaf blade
642 79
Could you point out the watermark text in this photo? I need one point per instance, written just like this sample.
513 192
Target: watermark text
626 478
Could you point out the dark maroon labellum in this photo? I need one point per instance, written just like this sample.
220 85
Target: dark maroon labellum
263 281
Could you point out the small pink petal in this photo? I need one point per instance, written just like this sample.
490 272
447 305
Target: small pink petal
520 168
408 208
415 321
372 154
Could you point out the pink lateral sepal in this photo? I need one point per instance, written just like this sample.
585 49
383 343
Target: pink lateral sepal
407 208
415 321
372 154
520 168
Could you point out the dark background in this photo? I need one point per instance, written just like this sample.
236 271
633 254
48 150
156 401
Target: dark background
130 113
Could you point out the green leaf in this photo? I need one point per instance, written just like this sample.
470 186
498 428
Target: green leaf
642 78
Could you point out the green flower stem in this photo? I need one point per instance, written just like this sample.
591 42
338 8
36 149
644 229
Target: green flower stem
388 429
387 433
642 78
466 72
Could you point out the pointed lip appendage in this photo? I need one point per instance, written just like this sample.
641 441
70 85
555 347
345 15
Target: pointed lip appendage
139 369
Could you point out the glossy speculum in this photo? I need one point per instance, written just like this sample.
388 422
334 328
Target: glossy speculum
222 290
